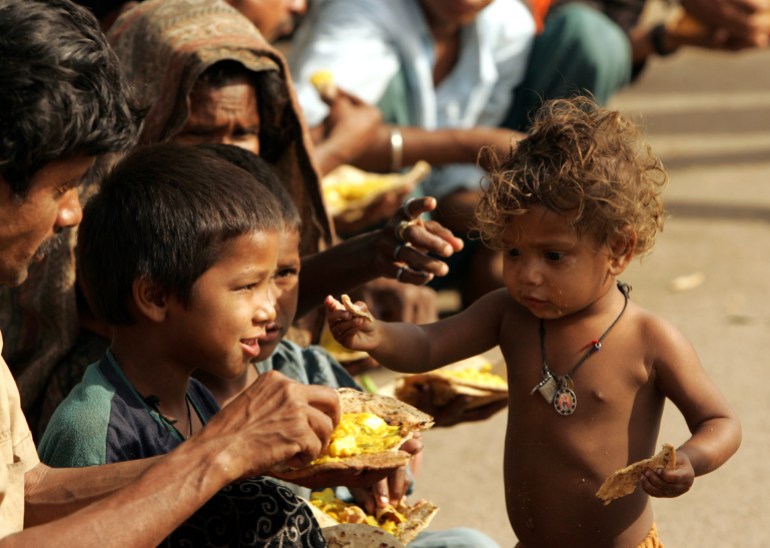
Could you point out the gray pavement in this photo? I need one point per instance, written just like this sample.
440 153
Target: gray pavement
708 116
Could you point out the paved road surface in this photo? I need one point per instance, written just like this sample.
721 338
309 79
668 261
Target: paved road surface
708 116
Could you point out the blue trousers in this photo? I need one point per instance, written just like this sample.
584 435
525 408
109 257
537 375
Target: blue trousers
580 52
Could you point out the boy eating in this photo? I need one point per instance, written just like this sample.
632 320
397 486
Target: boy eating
588 369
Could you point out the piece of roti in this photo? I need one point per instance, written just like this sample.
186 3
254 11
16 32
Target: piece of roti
403 521
471 377
358 535
396 414
354 309
623 481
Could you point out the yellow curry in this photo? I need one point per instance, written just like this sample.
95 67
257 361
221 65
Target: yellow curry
359 433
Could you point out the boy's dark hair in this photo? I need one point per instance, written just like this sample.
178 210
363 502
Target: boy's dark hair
165 213
62 93
264 174
272 101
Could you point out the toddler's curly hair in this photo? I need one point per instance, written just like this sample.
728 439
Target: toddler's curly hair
578 158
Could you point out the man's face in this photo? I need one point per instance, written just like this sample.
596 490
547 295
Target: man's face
274 18
29 225
454 12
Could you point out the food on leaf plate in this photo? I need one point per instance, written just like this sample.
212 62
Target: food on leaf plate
623 482
472 378
403 521
371 430
347 190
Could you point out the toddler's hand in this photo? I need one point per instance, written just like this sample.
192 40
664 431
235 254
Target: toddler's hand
352 331
670 483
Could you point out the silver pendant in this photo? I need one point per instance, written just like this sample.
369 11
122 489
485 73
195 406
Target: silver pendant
564 400
547 387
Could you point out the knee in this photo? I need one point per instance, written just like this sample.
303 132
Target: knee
598 49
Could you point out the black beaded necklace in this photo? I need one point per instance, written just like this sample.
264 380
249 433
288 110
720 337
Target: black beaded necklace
559 391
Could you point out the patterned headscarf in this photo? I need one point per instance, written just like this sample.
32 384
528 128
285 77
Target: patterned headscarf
165 46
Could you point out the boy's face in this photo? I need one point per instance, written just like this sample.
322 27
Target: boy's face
230 307
287 285
551 270
29 225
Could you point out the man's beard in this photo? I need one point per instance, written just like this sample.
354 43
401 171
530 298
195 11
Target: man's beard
52 244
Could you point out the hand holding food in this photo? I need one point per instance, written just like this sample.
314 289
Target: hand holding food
355 328
323 82
369 436
623 482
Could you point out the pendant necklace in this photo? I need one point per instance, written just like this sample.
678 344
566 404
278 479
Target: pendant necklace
559 391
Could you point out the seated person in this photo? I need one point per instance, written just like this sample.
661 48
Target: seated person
226 58
443 77
314 365
191 244
600 46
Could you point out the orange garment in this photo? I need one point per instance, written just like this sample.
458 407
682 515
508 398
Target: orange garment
650 541
539 11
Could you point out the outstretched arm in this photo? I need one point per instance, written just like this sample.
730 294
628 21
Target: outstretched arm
411 348
715 428
380 253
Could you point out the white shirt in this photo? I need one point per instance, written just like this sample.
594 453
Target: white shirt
364 43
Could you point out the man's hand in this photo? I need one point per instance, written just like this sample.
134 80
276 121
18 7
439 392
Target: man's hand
276 420
408 245
745 23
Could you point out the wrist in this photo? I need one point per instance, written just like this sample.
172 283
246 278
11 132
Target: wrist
396 150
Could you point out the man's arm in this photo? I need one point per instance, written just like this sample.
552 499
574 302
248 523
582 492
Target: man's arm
139 503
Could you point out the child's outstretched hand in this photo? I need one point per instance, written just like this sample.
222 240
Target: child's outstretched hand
352 325
670 483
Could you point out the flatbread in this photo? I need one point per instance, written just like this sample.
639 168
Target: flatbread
357 535
354 309
623 482
417 518
392 411
444 388
348 191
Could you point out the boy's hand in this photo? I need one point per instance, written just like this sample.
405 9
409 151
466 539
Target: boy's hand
353 332
670 483
393 488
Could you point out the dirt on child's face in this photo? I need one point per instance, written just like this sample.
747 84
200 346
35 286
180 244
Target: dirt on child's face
550 269
230 307
287 286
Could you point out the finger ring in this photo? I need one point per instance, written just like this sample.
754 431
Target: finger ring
400 273
396 251
401 228
405 207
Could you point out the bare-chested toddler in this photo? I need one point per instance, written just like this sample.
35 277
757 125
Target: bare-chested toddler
588 369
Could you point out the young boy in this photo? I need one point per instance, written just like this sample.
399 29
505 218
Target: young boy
311 364
589 371
178 253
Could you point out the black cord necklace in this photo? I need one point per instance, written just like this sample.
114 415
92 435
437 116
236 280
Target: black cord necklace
154 402
559 391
